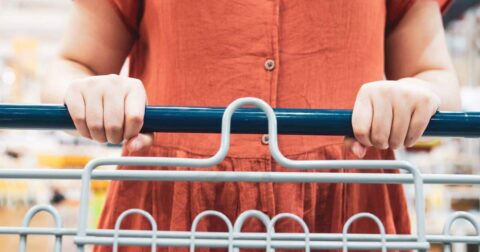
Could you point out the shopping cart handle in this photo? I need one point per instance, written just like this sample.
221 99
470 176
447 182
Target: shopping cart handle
245 120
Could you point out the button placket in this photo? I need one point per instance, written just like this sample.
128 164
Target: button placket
272 59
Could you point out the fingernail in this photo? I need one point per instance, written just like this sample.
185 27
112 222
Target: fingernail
363 152
358 150
134 145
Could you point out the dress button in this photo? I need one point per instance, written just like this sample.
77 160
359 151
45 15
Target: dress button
269 64
265 139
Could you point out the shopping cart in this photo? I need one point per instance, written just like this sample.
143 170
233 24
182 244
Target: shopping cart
235 119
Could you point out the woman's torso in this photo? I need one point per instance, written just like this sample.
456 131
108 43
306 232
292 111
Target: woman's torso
209 53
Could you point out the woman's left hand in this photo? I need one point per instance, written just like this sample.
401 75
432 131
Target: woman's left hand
391 114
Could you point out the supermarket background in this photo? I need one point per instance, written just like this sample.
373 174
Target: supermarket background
30 31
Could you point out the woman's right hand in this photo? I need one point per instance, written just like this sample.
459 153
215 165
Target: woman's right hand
109 108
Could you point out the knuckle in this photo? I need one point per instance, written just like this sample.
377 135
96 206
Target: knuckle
106 83
394 143
425 99
96 127
405 94
95 88
429 100
100 139
409 141
379 140
361 132
98 136
137 86
89 81
78 119
365 88
116 128
76 86
128 135
85 134
384 91
418 123
115 139
134 119
117 81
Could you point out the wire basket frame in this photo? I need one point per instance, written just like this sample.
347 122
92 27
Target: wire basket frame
234 239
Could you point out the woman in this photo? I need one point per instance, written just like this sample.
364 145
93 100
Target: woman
385 59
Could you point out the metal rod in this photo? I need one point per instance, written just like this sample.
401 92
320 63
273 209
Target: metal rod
247 236
404 245
245 120
165 175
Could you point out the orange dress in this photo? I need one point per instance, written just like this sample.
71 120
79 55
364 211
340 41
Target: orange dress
290 53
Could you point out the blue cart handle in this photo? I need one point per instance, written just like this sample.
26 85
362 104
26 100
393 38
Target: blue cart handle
245 120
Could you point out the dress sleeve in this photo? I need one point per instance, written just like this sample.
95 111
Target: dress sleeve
130 12
396 9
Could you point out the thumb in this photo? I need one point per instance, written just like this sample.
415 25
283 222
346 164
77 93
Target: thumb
357 148
139 143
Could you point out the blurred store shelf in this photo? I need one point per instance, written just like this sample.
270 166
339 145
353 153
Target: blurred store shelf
457 9
40 19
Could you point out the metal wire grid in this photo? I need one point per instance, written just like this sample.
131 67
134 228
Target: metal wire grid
234 239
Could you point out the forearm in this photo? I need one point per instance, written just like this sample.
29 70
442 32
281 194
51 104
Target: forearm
444 83
59 76
416 50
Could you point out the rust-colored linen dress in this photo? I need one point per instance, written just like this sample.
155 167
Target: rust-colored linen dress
290 53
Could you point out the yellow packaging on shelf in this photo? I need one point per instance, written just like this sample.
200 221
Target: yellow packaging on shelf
425 144
62 161
428 143
100 185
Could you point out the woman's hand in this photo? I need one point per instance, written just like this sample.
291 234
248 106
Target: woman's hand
391 114
109 108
